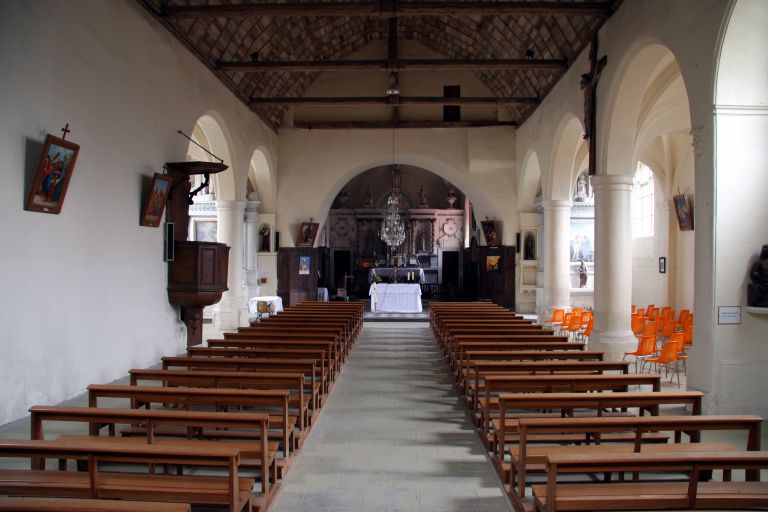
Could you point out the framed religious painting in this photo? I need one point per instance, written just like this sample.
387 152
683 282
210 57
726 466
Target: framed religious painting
49 186
492 263
684 212
307 234
154 206
492 238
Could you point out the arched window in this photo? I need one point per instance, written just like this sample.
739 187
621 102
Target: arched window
642 202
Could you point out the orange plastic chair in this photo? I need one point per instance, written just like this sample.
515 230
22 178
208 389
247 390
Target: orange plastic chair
556 318
651 327
646 347
640 312
669 355
684 314
638 325
668 328
560 328
687 336
652 312
575 324
667 313
586 331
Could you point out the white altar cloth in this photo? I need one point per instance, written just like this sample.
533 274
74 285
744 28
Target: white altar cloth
275 304
395 298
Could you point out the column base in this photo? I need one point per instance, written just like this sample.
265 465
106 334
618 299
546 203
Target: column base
613 343
228 317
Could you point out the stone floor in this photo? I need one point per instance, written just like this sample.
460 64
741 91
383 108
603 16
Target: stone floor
393 436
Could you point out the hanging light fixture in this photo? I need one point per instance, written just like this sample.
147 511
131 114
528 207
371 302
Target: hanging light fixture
392 230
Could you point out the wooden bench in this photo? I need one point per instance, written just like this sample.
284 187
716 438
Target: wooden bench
231 491
260 454
643 494
293 382
289 334
484 395
526 458
311 368
275 402
319 355
470 356
324 351
16 504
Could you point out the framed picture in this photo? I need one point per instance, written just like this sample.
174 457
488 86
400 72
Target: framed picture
155 204
307 234
492 238
49 186
304 262
492 263
206 230
684 212
663 265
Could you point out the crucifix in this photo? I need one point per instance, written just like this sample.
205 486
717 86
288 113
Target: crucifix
589 86
65 132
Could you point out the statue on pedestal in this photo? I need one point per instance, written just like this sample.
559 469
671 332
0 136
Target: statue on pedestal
757 292
583 275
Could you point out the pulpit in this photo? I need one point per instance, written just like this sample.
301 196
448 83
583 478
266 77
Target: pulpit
198 274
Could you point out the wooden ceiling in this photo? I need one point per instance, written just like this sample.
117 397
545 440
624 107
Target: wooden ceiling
270 53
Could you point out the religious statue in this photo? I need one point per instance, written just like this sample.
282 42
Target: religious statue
368 198
423 202
581 188
582 275
757 292
451 198
264 232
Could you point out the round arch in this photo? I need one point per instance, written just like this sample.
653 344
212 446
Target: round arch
530 182
260 179
561 175
638 94
214 128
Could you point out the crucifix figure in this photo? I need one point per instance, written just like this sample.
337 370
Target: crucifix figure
65 131
589 86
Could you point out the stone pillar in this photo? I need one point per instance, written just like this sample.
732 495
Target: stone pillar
252 246
232 311
613 266
557 225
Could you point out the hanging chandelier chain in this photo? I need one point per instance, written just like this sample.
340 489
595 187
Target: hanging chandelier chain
393 229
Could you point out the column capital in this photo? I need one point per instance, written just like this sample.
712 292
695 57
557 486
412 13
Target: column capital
612 182
233 206
556 204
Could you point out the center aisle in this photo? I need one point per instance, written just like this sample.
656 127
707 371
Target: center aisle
393 436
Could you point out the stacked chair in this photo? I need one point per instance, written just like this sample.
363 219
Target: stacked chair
556 415
218 427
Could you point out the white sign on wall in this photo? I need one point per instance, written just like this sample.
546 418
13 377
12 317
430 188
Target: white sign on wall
729 314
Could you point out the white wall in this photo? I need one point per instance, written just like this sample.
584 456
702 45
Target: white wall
316 164
738 354
83 293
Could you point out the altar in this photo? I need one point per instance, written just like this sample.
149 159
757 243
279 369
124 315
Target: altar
395 274
395 298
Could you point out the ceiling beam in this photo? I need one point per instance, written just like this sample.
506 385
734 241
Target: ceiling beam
395 101
391 65
389 125
387 8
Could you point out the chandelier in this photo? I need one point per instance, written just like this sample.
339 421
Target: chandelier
392 229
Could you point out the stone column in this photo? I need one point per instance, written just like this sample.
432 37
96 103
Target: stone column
232 311
557 286
252 245
613 266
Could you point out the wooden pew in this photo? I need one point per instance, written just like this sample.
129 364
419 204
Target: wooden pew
649 494
293 382
311 368
470 356
230 491
514 406
290 334
16 504
485 393
257 452
318 354
187 398
453 349
527 458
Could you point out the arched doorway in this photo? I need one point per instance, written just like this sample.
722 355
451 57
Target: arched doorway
433 212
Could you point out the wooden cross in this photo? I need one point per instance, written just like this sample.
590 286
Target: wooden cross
589 86
65 131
